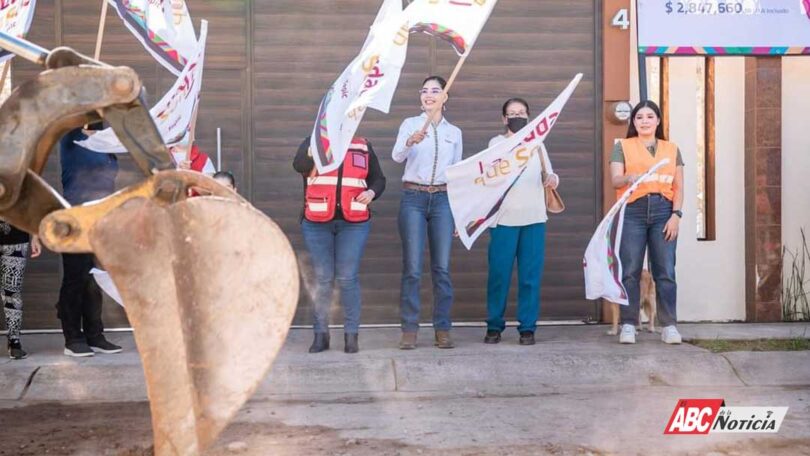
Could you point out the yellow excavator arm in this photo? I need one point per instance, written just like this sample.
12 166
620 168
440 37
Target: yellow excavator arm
210 284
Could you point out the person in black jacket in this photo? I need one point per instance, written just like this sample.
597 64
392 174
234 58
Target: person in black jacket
86 176
335 224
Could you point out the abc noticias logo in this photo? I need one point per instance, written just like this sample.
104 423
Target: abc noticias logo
704 416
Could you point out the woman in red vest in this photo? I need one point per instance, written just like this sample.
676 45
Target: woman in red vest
335 224
651 218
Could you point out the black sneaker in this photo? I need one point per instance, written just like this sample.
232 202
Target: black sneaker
526 338
102 345
15 350
78 350
492 337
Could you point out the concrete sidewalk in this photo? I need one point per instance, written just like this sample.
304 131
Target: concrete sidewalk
569 356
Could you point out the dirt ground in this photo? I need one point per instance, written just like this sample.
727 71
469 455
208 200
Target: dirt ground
124 430
102 429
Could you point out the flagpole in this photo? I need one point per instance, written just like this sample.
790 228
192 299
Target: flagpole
101 22
457 69
219 149
447 88
191 129
4 76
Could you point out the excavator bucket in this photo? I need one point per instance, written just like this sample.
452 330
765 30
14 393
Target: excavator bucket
209 283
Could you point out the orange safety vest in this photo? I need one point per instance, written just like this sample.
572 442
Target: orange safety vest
322 189
638 160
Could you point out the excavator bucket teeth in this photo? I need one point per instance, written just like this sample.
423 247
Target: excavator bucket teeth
210 286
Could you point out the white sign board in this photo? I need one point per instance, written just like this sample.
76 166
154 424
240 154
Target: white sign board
723 27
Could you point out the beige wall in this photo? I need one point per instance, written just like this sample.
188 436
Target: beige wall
795 151
711 274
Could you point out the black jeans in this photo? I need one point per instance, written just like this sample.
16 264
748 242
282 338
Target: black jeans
79 305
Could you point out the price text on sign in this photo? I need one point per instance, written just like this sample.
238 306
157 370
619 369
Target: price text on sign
709 7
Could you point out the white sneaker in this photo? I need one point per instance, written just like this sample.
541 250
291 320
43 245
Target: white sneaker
628 334
670 335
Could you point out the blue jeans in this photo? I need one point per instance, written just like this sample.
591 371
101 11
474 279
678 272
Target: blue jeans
644 221
336 248
423 214
528 244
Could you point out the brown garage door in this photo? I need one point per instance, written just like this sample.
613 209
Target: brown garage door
269 62
528 48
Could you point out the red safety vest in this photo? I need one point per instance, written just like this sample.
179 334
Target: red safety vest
321 195
198 159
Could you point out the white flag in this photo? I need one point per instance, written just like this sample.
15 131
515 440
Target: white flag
478 185
164 28
105 282
15 20
602 265
370 80
174 112
456 21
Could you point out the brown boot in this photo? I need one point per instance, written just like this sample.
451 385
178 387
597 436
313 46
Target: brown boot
443 339
408 341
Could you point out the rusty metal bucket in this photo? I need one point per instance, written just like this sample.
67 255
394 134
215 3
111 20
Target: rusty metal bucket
210 283
210 286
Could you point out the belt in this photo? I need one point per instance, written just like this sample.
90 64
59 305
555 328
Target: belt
425 188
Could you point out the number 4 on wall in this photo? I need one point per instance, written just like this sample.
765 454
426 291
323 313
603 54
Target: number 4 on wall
621 19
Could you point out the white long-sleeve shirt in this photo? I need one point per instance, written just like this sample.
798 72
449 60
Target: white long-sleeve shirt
525 204
419 158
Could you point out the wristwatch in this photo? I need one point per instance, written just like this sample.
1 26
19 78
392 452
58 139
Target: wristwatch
678 213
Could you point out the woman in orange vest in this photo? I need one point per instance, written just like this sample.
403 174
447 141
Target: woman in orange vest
335 224
651 218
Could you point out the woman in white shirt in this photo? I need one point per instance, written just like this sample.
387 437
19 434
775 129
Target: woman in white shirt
425 211
519 232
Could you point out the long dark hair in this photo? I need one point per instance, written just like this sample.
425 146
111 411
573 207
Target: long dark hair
659 131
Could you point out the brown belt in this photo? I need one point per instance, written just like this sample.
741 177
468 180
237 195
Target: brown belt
425 188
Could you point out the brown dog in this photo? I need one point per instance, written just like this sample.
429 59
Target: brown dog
648 305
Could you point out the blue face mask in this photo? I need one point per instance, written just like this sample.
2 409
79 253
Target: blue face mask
515 124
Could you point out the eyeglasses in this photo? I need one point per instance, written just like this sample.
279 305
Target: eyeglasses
433 91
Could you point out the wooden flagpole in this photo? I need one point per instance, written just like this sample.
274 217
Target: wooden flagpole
101 22
446 90
191 129
4 76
